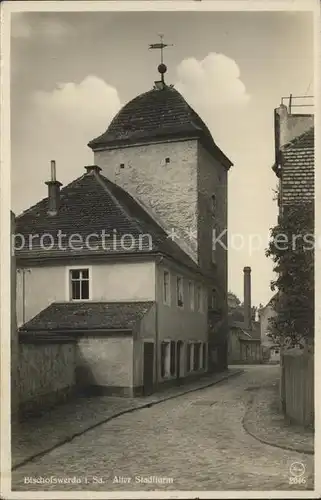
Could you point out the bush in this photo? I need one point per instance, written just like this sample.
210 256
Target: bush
292 249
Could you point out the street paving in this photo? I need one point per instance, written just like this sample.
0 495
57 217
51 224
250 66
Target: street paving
193 442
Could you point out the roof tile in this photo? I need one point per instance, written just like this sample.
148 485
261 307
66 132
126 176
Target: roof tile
88 316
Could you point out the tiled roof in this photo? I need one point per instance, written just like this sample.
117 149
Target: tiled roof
88 316
92 204
298 169
156 114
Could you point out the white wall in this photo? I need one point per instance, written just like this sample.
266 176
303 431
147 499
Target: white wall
265 315
105 361
110 282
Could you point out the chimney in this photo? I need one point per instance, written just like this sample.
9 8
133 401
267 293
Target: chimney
247 299
53 191
288 126
93 169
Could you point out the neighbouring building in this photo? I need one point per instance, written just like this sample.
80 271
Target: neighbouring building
294 167
127 307
244 333
294 156
270 349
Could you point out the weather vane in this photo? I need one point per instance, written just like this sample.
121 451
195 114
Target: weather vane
161 45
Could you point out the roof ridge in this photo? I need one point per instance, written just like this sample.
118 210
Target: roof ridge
30 209
298 138
99 178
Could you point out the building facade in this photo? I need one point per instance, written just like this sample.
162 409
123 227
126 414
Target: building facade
131 287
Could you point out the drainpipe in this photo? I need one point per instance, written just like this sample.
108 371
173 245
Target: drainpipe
159 260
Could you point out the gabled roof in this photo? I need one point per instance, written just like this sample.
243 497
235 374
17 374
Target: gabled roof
302 141
298 169
156 115
89 205
68 316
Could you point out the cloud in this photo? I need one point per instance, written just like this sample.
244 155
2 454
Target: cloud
86 106
20 28
34 25
58 125
213 85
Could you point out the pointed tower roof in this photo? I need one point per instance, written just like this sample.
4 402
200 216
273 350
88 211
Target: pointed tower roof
157 115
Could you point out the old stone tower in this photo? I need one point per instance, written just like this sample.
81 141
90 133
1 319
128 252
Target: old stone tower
159 150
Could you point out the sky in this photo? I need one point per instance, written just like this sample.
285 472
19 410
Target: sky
71 72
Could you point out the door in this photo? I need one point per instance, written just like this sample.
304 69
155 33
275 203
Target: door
148 375
178 358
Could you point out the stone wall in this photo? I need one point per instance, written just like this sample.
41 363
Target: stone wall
167 190
46 375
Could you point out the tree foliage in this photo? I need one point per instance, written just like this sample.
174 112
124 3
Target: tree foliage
291 247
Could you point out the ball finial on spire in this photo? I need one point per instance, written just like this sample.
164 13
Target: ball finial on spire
162 68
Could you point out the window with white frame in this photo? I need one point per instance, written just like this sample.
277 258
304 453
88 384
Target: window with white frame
191 294
188 357
197 354
213 299
166 287
173 357
204 355
79 284
165 359
179 291
198 297
190 353
213 206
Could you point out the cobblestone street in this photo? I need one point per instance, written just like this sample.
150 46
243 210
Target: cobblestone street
194 442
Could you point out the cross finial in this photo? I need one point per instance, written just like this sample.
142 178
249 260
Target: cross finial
161 45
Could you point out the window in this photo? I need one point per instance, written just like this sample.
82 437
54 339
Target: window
204 356
191 294
214 299
213 227
173 357
167 160
198 297
188 357
79 284
165 347
213 206
197 353
166 287
179 291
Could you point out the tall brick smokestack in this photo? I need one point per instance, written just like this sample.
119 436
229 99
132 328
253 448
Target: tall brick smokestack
247 298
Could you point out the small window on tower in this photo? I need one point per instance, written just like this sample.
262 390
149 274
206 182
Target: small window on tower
122 165
213 205
167 160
